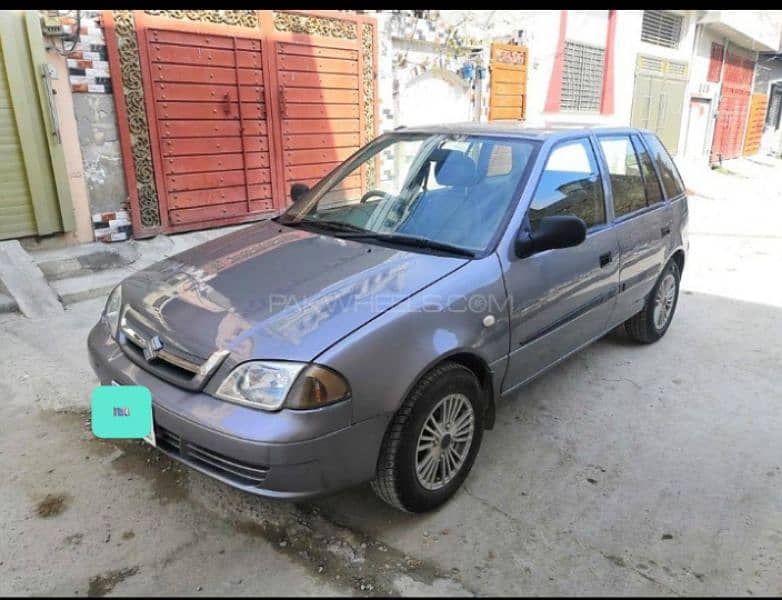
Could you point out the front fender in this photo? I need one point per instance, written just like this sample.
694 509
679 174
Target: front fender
385 358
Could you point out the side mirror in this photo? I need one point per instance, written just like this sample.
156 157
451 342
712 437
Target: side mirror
560 231
298 190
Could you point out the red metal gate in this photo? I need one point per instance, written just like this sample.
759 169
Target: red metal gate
319 109
733 107
208 110
236 114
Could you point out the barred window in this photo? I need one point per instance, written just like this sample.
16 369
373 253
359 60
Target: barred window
661 28
582 80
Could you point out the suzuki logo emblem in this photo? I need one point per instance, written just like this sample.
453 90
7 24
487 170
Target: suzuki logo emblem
152 347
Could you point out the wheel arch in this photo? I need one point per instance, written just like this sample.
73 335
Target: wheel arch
479 367
678 257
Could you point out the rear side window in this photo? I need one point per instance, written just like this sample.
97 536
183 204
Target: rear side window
627 183
672 182
654 193
569 185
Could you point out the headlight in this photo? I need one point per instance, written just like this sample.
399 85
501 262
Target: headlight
270 385
111 312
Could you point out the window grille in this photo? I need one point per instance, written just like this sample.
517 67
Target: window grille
661 28
582 80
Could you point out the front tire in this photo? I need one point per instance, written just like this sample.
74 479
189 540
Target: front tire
432 441
653 321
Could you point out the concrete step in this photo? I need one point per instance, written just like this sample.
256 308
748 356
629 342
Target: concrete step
86 259
93 285
7 304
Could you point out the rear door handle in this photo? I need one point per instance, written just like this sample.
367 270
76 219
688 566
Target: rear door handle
605 259
665 231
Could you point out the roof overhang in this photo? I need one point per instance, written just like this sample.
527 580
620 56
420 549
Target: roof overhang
750 29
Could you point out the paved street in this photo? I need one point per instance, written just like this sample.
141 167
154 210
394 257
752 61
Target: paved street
626 470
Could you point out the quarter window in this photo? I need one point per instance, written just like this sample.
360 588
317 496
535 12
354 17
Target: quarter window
654 193
569 185
625 172
672 182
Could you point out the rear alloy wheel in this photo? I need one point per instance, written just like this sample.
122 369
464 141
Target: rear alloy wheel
653 321
432 441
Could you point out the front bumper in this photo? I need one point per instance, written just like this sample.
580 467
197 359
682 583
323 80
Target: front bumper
287 454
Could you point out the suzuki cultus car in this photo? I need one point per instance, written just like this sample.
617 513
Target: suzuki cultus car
369 331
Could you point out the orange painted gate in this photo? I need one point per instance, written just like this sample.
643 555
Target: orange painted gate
237 105
734 104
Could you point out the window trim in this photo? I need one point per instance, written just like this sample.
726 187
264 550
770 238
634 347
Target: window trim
591 143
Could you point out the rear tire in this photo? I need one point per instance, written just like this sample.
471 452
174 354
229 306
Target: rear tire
653 321
431 443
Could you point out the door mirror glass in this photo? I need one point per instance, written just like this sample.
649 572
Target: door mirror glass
298 190
559 231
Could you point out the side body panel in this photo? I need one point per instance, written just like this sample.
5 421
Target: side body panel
384 359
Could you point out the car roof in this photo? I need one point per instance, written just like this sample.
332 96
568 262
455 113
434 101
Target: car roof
515 128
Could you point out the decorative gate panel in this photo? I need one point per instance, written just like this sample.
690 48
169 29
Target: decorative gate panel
226 109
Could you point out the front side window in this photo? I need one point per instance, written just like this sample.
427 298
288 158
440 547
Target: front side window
626 181
569 185
672 182
451 189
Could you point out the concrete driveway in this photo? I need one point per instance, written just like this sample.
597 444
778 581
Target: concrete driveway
626 470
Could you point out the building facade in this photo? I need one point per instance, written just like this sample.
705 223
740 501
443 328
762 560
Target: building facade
148 143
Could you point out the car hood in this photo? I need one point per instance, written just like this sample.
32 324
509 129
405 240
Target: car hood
274 292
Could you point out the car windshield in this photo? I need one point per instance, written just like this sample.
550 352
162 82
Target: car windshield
440 191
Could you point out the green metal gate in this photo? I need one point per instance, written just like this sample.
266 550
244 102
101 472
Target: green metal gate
34 195
658 98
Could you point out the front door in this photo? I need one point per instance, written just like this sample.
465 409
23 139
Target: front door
561 299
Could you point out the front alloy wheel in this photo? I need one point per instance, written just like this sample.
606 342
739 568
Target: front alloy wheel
445 441
432 441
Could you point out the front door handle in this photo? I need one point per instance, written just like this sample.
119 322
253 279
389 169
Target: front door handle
665 231
605 259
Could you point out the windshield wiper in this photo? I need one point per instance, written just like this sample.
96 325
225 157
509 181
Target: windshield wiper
327 225
415 242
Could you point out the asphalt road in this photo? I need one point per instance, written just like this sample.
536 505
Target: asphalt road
626 470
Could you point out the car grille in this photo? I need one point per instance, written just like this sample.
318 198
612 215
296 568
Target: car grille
213 462
171 363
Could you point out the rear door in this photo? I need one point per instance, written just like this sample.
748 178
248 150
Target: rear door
562 298
642 218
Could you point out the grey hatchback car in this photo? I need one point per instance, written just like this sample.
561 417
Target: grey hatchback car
367 333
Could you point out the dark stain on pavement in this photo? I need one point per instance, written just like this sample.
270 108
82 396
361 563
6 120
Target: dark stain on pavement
52 505
341 555
102 584
168 477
